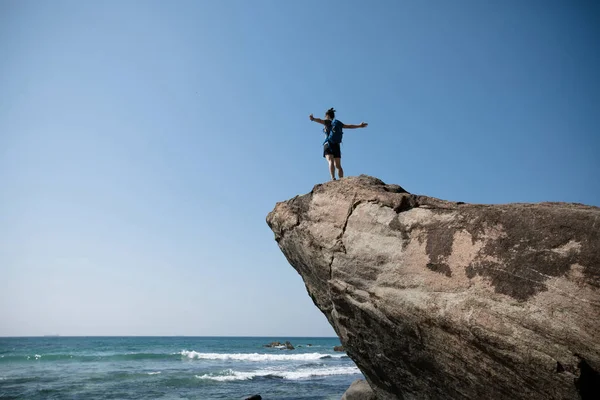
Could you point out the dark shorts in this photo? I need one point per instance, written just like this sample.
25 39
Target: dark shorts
334 149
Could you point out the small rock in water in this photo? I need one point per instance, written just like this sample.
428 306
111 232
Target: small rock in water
359 390
338 348
287 345
272 344
255 397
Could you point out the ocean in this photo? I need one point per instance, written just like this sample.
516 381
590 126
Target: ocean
172 368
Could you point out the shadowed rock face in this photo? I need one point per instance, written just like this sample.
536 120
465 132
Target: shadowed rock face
435 299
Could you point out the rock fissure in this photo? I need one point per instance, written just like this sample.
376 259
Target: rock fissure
353 205
331 266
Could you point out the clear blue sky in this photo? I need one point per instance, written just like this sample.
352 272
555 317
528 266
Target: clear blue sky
143 143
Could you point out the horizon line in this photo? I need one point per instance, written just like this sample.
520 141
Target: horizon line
163 336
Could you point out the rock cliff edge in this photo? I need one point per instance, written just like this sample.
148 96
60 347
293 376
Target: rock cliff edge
443 300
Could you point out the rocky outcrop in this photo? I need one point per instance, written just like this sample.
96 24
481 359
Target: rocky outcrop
443 300
359 390
338 348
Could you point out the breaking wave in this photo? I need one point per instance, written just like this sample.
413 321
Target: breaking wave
231 375
257 357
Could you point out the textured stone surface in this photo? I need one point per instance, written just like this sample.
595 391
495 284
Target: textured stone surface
359 390
435 299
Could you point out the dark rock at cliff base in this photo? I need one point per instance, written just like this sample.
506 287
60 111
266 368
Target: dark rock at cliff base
435 299
359 390
255 397
338 348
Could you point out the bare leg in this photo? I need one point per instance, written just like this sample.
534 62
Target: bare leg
338 165
331 166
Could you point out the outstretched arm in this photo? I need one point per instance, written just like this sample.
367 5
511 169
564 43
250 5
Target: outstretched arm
362 125
320 121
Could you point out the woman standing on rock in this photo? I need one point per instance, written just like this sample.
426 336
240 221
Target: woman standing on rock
331 145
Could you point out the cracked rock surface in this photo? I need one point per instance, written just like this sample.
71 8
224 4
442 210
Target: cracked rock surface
443 300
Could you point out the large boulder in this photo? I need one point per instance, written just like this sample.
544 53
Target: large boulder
444 300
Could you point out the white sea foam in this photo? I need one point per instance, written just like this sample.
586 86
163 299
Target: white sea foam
257 357
231 375
307 373
153 373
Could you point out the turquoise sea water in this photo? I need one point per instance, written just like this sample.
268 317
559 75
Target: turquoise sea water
172 368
